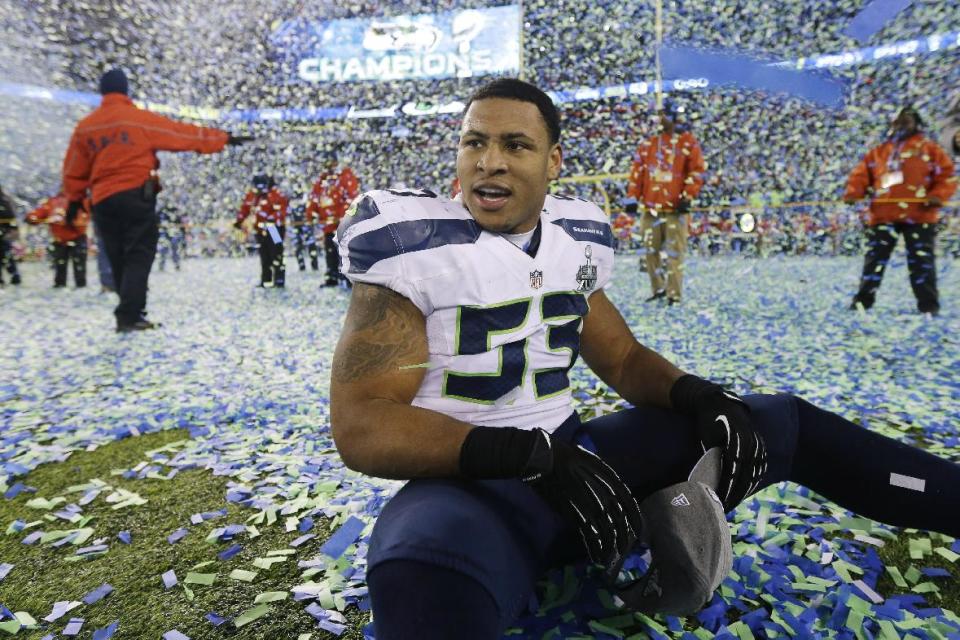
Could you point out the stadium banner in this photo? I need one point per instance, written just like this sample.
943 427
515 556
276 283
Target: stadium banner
462 43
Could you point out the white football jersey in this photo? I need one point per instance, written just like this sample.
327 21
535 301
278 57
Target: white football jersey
503 327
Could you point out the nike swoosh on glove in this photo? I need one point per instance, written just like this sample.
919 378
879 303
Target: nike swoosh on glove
723 420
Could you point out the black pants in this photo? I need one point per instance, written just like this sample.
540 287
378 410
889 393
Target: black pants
130 229
272 269
8 262
306 240
920 239
332 257
74 252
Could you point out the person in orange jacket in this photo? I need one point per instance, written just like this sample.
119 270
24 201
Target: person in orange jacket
329 200
908 178
69 240
113 155
666 175
269 206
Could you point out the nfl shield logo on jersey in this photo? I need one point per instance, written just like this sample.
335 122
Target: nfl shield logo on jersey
587 273
536 279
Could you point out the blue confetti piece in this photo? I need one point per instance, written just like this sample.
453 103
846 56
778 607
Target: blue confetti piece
98 594
177 535
73 627
173 634
124 537
299 541
873 18
214 619
169 579
107 632
342 538
226 554
305 525
5 569
731 68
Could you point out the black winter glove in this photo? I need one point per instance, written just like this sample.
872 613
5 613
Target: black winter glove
576 483
683 206
71 215
723 420
233 141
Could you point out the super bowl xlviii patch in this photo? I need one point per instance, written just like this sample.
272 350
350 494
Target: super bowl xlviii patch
536 279
587 273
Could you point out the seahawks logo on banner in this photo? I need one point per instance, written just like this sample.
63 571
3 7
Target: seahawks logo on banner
587 273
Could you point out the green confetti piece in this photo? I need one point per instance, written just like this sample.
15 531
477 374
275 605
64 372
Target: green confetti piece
897 577
251 615
242 575
203 564
44 504
25 619
913 575
601 628
266 563
271 596
888 631
281 552
926 587
947 554
10 626
206 579
304 636
743 631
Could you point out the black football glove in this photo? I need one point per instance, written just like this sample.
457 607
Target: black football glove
723 420
71 215
233 141
574 482
683 206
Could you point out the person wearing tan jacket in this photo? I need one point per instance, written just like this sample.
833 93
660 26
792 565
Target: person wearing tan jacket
667 174
908 178
113 155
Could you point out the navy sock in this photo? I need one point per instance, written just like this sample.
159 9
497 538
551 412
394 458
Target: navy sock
420 601
875 476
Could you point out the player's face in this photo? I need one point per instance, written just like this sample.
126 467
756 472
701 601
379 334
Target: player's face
505 161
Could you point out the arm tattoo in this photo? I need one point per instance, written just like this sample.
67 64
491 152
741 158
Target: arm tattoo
379 334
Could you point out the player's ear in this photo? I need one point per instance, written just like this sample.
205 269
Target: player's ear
555 162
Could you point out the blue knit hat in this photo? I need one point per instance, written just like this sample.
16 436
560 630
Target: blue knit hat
114 81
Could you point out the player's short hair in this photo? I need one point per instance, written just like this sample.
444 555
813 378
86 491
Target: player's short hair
514 89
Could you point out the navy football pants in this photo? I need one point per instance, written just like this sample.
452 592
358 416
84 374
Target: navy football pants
449 555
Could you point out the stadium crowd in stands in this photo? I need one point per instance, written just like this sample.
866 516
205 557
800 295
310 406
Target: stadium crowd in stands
760 149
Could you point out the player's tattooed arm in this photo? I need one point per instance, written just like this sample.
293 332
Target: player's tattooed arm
383 331
376 375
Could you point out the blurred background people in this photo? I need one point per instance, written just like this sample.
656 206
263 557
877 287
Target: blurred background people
907 178
68 241
269 207
8 234
335 188
666 175
305 238
173 236
113 157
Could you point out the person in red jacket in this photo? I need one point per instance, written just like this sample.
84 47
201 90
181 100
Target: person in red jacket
270 208
329 200
666 176
908 178
113 155
69 240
